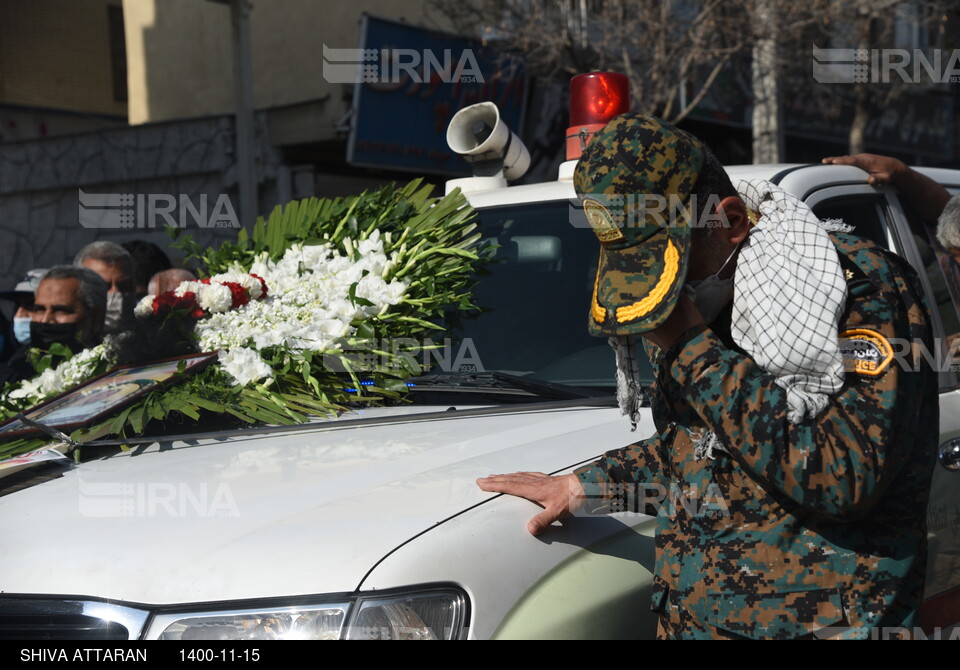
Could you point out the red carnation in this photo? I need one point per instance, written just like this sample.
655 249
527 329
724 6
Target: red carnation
168 302
238 294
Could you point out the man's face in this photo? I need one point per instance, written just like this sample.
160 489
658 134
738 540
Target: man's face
118 281
58 301
708 252
710 248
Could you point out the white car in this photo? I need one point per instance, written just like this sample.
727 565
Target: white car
371 525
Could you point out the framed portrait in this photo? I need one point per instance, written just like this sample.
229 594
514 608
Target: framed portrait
102 396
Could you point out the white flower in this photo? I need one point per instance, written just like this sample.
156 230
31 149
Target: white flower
144 308
214 298
252 285
244 365
71 372
307 307
371 245
187 287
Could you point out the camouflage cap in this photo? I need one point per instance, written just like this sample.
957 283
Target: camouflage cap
633 165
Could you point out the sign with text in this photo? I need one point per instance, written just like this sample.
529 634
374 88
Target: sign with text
413 84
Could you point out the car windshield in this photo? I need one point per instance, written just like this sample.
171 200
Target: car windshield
534 297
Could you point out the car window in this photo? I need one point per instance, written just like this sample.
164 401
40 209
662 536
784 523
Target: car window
943 276
873 218
863 212
534 297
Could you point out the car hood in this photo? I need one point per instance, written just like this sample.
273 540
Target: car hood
298 512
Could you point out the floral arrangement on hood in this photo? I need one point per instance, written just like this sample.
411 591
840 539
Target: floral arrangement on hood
86 364
207 296
321 296
287 306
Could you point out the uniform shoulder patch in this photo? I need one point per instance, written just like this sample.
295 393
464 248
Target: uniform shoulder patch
865 351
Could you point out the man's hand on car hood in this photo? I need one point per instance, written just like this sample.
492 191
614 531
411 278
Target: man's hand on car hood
560 496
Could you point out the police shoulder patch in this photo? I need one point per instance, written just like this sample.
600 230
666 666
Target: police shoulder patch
601 221
865 351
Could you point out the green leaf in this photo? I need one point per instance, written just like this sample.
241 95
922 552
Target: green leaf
137 419
121 420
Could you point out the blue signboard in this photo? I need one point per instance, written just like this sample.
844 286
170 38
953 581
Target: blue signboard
410 82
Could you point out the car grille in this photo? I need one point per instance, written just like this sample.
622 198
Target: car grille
59 627
24 618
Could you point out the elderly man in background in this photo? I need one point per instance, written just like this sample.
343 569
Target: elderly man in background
68 308
115 266
948 230
948 234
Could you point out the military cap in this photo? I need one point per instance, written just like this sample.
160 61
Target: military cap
634 181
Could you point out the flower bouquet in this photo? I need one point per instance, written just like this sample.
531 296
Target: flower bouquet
288 307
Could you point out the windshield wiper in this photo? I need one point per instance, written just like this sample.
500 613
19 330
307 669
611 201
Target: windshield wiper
501 383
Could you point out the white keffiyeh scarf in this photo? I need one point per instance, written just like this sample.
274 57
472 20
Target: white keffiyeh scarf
789 293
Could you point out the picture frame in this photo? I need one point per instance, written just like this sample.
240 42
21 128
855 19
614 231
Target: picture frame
104 395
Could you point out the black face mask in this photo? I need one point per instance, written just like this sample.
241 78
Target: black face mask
42 335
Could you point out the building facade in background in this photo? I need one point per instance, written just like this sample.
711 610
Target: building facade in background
135 98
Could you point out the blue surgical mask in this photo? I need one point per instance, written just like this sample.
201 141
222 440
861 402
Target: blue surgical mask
21 329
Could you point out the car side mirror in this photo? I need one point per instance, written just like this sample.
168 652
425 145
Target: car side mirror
950 454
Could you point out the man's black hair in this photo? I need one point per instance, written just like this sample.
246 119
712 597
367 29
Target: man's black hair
148 259
712 183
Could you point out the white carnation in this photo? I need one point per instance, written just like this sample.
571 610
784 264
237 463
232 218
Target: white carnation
187 287
144 308
214 298
251 285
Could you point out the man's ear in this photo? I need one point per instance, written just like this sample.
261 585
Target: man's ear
733 213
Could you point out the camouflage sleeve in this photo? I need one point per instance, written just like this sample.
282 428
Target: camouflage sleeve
838 463
632 477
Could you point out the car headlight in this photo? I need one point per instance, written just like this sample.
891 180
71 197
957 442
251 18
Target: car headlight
434 613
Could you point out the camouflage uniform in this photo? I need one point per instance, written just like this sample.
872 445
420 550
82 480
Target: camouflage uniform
799 528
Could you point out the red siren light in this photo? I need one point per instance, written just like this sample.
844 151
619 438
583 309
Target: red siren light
595 98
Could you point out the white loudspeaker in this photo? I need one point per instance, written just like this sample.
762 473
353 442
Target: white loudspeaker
478 134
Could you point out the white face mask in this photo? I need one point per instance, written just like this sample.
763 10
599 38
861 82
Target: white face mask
114 310
712 294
